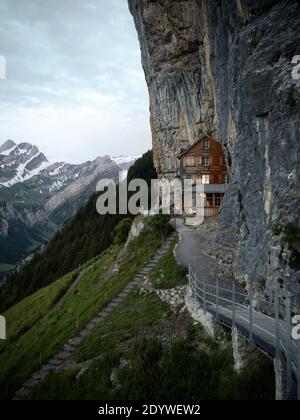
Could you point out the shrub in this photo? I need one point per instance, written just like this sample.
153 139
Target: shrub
160 224
122 230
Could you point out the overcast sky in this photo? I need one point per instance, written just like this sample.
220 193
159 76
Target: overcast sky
75 85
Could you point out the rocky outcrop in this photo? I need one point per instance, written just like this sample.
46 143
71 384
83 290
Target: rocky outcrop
225 68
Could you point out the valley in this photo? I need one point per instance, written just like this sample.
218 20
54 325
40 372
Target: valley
36 196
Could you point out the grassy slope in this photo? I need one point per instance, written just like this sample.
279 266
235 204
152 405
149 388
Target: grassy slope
26 313
188 365
169 357
135 314
6 267
95 289
168 273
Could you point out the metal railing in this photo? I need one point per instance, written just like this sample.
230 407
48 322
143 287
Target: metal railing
266 324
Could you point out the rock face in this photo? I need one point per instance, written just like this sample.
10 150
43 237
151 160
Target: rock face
225 68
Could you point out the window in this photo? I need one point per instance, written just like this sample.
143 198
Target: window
218 199
205 179
190 161
206 144
205 161
209 200
226 179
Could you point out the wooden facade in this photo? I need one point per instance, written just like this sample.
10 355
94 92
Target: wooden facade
204 163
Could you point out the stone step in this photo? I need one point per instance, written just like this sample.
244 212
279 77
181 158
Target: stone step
22 393
119 301
129 288
69 348
44 374
84 333
74 342
98 319
91 326
37 375
106 310
47 367
40 375
112 306
31 383
63 355
54 362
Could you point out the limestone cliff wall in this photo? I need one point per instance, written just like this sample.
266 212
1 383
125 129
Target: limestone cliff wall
224 68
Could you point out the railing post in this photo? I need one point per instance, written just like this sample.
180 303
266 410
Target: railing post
217 297
277 317
233 304
192 286
251 313
204 295
289 342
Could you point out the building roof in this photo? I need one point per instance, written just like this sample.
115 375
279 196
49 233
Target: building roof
197 142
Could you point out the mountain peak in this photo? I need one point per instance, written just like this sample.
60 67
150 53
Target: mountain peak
7 145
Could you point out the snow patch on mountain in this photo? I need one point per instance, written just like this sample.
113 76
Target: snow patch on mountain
22 174
7 152
125 159
21 162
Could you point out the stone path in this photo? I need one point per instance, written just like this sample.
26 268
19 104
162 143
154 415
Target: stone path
62 358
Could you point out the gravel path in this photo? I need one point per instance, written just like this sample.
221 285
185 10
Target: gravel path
198 249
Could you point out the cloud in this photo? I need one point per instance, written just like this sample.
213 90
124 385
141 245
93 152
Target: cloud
73 76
